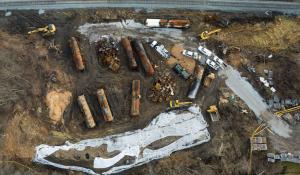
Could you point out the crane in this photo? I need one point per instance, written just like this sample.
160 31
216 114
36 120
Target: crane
284 111
257 131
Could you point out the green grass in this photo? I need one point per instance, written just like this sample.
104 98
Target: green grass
290 168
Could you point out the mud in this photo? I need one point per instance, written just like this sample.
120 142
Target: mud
31 68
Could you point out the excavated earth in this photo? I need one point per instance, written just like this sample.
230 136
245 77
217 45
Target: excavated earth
40 84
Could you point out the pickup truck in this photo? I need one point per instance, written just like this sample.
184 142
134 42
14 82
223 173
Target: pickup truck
190 54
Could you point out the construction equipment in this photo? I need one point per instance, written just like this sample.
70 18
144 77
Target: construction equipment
208 79
256 132
179 105
214 113
205 35
284 111
47 30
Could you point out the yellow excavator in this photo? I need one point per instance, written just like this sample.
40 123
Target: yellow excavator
284 111
179 105
214 113
206 34
47 30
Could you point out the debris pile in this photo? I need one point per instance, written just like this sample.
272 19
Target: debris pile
107 52
162 89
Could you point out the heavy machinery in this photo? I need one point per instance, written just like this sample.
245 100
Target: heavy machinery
179 105
206 34
48 30
214 113
284 111
208 79
256 132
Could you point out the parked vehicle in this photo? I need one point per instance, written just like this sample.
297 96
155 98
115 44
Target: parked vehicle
212 64
181 71
160 49
205 51
190 54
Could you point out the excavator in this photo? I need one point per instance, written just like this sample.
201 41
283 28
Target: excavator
178 105
214 113
206 34
48 30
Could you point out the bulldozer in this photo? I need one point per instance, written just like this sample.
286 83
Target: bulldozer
214 113
48 30
206 34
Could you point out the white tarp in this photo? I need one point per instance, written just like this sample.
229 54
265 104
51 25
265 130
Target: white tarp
189 126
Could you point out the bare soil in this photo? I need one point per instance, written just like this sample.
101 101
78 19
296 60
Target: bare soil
31 68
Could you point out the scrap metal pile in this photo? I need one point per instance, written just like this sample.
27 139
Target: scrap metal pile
107 52
162 89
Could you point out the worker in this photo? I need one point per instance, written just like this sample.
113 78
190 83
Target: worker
47 30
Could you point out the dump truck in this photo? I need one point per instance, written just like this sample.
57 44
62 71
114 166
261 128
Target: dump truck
89 120
193 91
135 98
105 109
77 57
168 23
128 49
139 49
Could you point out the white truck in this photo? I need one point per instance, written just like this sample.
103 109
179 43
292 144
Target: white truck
160 49
212 64
190 54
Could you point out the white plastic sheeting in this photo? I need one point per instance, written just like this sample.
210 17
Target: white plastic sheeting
189 126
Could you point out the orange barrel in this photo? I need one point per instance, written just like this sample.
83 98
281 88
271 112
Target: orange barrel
87 112
138 47
135 98
193 91
76 54
127 46
106 112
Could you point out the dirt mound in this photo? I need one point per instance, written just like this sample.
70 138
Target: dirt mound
57 101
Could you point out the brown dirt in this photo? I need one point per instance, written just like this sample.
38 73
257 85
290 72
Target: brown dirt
57 101
177 57
30 70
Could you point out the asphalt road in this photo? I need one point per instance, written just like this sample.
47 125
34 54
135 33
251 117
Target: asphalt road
222 5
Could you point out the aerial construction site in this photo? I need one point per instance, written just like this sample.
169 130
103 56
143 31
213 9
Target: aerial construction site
94 87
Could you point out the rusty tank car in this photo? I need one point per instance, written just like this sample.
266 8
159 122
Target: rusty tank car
86 111
135 98
105 109
131 60
193 91
77 57
139 48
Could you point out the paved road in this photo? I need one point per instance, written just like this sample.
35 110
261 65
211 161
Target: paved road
224 5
